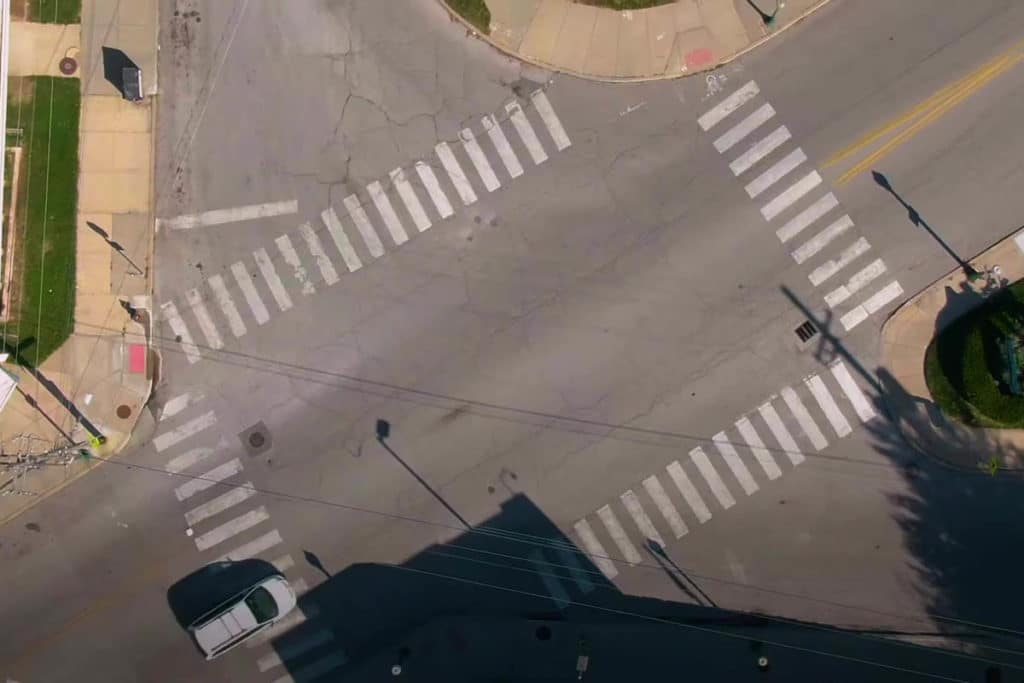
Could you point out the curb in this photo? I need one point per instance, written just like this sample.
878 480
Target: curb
472 30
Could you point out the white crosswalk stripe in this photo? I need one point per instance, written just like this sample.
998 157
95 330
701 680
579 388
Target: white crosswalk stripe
664 504
688 491
252 297
526 133
550 119
283 563
180 331
299 615
294 649
299 586
269 273
501 146
707 470
221 503
409 198
206 324
776 172
595 551
797 223
316 249
193 457
480 163
314 670
569 558
790 195
458 177
165 440
640 518
828 406
232 528
803 418
387 212
551 583
845 258
744 128
437 195
618 534
860 403
253 547
232 215
205 481
822 239
735 463
746 429
873 304
177 404
340 239
778 429
363 225
291 257
227 305
728 105
861 279
759 150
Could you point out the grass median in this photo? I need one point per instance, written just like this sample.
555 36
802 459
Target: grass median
473 11
56 11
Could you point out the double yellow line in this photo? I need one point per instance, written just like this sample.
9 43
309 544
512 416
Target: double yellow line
925 112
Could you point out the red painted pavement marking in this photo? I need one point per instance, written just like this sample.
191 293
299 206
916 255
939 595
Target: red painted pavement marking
698 58
136 358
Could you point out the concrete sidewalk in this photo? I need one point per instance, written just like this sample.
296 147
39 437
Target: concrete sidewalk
905 338
99 381
679 38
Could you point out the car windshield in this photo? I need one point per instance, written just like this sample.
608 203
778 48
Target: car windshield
262 604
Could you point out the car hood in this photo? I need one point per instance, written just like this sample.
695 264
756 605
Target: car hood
225 627
283 595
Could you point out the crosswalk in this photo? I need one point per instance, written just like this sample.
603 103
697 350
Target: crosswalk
756 143
227 519
407 204
736 463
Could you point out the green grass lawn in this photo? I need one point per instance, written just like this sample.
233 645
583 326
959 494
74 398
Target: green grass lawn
964 366
55 11
473 11
625 4
43 291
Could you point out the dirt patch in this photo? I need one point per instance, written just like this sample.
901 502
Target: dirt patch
19 10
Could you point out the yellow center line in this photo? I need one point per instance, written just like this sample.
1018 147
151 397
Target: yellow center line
962 94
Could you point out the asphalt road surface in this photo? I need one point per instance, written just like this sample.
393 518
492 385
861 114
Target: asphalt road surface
584 331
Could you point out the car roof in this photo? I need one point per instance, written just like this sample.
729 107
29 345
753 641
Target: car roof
233 620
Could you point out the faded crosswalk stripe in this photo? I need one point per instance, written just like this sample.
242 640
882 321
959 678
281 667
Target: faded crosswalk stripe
220 503
757 447
728 105
833 266
341 242
735 463
872 304
476 155
229 529
550 119
294 649
206 324
526 133
501 146
227 305
861 279
744 128
828 405
707 470
177 404
205 481
253 547
291 257
437 195
860 403
314 670
618 534
803 418
252 297
790 195
688 491
759 150
162 442
551 583
797 223
776 172
571 560
640 518
822 239
221 216
193 457
283 563
409 198
664 504
595 551
266 266
297 616
316 249
458 178
778 429
181 333
387 212
363 225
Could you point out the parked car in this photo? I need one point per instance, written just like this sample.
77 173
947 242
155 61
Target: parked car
243 615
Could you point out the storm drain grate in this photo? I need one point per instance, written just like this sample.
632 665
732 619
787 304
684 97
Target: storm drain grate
806 331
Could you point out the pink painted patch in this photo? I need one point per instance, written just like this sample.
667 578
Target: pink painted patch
136 358
695 59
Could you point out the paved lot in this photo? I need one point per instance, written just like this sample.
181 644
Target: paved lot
573 334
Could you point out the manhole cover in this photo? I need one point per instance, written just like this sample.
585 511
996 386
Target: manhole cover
68 66
124 412
256 440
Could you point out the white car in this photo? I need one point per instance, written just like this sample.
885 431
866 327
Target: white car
243 616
